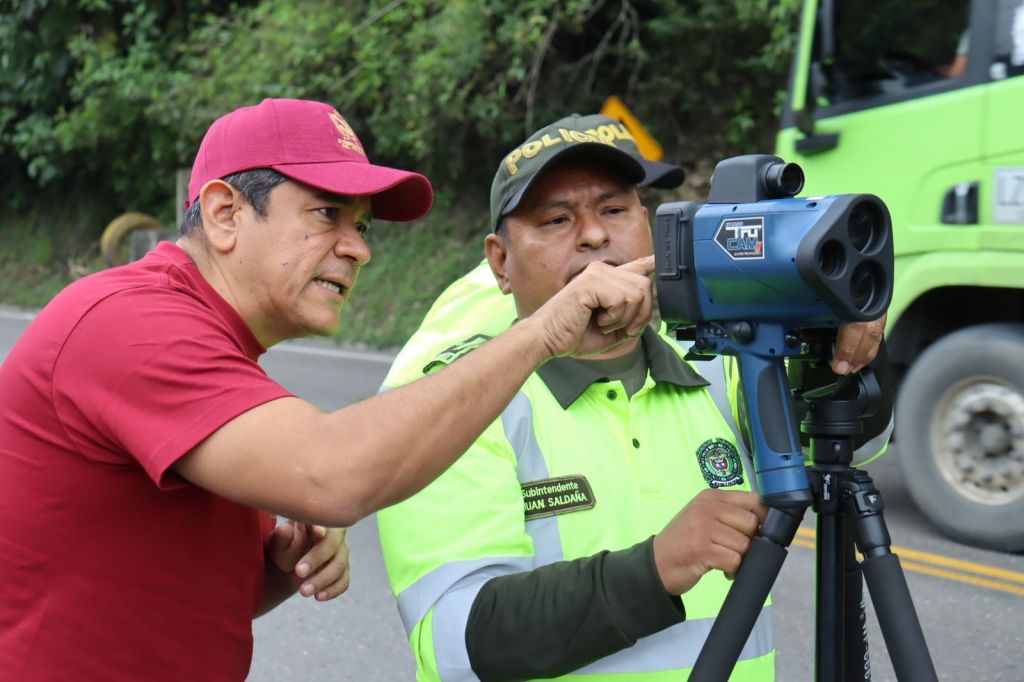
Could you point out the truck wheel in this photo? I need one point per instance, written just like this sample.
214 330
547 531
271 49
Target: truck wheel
960 435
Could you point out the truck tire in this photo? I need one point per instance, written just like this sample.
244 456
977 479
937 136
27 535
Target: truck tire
960 435
113 247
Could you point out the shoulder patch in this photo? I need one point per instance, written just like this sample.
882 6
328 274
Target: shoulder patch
720 463
453 353
561 495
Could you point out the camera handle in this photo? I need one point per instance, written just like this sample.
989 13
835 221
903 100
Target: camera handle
761 349
842 496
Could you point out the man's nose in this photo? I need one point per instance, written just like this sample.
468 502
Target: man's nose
592 233
351 244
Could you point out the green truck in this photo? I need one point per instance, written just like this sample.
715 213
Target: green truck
922 103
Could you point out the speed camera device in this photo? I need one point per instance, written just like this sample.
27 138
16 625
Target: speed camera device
752 271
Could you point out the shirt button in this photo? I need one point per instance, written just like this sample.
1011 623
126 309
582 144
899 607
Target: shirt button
612 395
636 443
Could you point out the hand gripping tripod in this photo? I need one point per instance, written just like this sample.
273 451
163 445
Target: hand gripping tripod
849 509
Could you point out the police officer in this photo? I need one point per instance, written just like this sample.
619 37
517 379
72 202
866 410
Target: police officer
473 309
592 527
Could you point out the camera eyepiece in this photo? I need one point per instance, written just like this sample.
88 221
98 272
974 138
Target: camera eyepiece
783 179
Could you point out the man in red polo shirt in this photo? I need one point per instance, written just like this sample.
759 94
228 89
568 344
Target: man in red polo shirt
139 437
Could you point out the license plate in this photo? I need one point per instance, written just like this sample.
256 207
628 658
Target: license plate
1008 199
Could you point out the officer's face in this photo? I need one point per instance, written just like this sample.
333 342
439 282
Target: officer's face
299 263
573 215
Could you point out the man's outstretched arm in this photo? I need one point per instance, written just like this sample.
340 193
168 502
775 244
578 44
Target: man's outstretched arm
334 468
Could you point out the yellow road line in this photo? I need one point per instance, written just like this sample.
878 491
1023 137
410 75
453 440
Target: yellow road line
932 564
960 577
949 562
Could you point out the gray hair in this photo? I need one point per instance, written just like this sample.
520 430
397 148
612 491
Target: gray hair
255 185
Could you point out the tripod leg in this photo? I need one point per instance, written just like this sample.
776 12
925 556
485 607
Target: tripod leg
746 597
897 618
830 599
887 585
840 636
856 662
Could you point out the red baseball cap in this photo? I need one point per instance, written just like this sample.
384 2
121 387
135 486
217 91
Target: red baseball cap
309 142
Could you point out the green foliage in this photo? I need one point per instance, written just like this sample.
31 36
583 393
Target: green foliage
46 246
119 92
411 265
76 83
109 98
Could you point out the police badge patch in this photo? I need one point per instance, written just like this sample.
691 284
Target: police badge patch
720 463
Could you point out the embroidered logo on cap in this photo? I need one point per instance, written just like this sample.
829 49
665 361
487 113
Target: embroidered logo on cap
607 134
720 463
348 139
561 495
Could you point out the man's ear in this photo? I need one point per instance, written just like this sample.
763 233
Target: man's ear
497 256
220 204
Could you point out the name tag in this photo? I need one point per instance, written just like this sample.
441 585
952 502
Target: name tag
552 496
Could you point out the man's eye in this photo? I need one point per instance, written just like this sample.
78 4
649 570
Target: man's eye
557 220
615 210
362 228
329 212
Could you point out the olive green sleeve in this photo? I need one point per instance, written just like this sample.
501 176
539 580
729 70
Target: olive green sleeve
557 618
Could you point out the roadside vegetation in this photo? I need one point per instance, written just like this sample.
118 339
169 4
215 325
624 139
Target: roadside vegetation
102 101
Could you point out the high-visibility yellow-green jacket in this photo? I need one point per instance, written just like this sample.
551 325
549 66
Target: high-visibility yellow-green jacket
472 305
556 503
560 478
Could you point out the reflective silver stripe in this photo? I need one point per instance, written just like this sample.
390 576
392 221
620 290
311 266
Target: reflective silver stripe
450 617
873 446
453 605
517 420
677 647
415 600
714 372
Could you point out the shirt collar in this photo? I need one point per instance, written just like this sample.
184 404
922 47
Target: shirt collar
568 378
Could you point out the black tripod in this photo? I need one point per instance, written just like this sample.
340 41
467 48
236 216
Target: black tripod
845 500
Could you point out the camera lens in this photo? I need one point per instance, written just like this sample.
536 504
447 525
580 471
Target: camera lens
832 259
784 179
866 286
864 227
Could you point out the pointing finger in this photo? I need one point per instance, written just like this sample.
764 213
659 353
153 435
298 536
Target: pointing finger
641 266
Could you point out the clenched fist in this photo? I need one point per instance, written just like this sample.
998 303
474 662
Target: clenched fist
712 531
599 309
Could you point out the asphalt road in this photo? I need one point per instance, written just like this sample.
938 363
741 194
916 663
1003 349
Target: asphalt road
970 601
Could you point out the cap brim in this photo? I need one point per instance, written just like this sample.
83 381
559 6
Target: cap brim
661 175
596 151
395 195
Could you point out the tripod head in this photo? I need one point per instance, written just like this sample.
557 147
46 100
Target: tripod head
835 412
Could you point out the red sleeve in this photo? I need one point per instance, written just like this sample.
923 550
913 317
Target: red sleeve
147 374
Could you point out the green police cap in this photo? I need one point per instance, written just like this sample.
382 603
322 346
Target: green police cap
598 138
